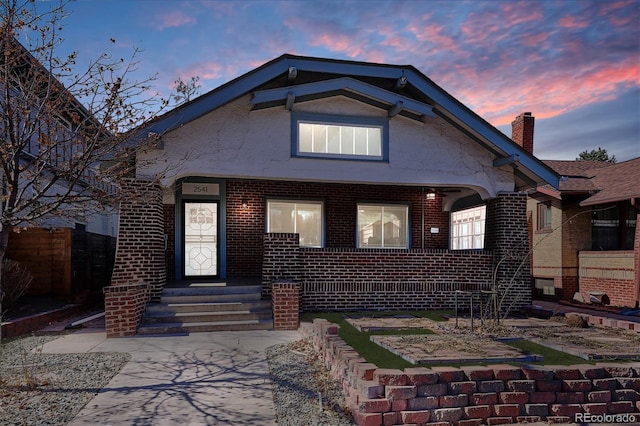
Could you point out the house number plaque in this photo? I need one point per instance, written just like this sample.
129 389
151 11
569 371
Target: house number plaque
189 188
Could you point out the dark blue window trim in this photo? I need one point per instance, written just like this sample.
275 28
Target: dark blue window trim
340 120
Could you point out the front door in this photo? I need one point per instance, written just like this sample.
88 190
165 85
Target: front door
200 239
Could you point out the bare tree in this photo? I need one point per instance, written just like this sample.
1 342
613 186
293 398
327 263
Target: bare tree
185 90
64 133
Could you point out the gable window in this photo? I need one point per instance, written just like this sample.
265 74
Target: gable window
383 226
297 217
544 217
467 228
325 136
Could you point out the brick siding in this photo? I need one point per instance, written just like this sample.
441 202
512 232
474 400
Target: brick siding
377 279
353 279
245 228
139 273
285 303
507 236
169 211
124 305
140 254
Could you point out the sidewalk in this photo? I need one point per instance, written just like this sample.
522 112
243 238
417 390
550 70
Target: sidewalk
199 379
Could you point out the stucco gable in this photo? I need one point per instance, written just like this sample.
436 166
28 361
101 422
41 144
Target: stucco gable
400 91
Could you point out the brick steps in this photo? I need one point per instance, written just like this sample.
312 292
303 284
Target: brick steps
201 309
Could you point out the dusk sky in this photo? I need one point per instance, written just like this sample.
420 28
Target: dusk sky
574 64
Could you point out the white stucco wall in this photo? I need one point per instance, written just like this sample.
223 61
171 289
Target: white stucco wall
234 141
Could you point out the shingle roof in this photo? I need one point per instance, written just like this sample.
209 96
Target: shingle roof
608 182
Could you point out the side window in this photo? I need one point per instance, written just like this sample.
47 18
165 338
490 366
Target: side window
383 226
544 217
304 218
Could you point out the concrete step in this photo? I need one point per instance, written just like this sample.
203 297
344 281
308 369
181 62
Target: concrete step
207 308
179 328
210 290
211 298
159 308
191 317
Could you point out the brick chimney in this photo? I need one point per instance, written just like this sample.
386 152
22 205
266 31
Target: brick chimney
522 131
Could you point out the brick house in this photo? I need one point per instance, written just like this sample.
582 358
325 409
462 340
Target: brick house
367 185
584 236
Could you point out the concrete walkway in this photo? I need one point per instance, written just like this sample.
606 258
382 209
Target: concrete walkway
216 378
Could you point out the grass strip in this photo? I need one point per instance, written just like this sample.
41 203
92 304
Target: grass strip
361 341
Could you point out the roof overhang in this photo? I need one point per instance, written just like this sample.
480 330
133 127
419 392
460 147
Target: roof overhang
392 102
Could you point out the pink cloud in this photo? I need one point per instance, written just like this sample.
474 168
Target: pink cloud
433 34
172 19
337 43
553 93
572 22
534 39
204 70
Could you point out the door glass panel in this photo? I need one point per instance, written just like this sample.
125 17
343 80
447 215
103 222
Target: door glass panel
200 239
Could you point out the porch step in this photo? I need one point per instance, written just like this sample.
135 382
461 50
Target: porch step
207 308
178 328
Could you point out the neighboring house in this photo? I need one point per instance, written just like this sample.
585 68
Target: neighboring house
585 242
70 252
341 176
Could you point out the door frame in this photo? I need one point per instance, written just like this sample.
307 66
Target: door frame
217 243
178 225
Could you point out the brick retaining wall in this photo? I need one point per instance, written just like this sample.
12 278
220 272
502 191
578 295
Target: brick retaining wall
36 322
476 395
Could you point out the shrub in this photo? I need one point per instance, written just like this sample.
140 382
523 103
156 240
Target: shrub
16 279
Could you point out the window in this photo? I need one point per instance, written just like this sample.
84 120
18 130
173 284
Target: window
297 217
544 288
467 228
383 226
544 217
339 137
613 227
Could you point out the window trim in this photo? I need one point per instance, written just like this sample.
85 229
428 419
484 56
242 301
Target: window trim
540 226
340 120
299 201
407 208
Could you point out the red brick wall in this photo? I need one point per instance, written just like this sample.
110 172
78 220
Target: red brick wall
286 305
245 228
507 236
140 254
124 305
169 211
352 279
636 256
139 272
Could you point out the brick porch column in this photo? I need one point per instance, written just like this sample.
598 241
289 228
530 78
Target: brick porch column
507 236
285 299
280 258
139 271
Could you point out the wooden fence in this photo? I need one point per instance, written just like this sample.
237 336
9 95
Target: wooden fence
65 262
